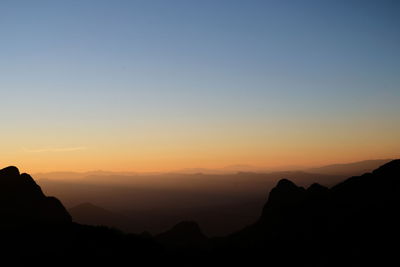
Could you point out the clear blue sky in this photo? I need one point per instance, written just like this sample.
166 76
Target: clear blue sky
290 71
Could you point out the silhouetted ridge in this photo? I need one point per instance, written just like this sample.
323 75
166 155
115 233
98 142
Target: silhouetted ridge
354 223
285 193
317 189
282 198
37 230
391 168
10 171
186 233
23 202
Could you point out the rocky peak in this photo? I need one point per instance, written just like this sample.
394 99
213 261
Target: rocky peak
285 196
22 201
187 233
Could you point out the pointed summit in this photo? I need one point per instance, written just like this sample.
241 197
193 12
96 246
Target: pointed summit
285 193
186 233
10 171
316 188
285 196
285 183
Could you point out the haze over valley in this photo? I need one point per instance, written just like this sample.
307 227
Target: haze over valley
220 203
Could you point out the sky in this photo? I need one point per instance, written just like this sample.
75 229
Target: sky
165 85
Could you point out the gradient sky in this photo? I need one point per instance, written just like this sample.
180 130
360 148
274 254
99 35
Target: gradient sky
164 85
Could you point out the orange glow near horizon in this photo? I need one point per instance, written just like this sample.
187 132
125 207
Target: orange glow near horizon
262 143
159 158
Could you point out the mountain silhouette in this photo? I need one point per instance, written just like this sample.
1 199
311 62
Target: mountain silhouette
36 229
221 204
23 202
284 197
354 223
183 234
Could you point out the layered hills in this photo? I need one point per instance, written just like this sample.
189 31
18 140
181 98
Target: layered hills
353 223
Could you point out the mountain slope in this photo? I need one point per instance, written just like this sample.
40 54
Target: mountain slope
23 202
184 234
37 230
354 223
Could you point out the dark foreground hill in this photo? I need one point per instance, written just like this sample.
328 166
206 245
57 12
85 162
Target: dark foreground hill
354 223
38 230
23 202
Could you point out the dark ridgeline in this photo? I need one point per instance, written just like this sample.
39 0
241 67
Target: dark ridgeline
351 224
36 229
22 202
182 235
355 223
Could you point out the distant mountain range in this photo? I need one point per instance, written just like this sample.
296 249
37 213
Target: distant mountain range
352 168
354 223
349 169
220 203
